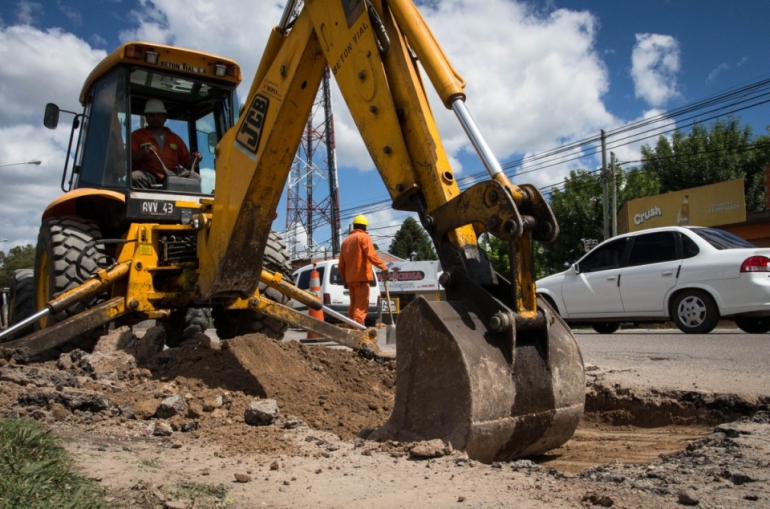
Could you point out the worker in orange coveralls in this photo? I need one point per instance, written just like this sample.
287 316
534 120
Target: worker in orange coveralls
357 255
157 151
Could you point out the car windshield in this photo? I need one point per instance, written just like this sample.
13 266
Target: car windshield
721 239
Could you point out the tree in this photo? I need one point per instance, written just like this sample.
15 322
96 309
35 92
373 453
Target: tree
412 238
579 217
708 155
17 258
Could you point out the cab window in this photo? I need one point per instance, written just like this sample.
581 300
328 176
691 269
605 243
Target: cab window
199 113
104 161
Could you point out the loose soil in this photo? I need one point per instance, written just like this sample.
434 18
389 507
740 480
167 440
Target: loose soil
634 448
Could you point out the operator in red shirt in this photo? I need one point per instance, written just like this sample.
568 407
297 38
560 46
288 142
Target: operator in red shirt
156 151
357 255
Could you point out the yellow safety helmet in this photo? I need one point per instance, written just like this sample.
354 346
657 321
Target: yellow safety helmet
361 219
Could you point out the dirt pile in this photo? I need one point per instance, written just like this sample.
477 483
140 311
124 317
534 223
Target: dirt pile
332 390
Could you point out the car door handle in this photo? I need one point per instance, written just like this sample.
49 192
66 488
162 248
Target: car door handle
610 278
668 273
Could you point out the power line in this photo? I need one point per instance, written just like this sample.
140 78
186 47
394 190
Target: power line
734 100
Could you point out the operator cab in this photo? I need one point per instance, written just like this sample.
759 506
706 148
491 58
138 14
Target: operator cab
198 91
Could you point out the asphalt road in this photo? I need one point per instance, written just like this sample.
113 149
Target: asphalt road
724 361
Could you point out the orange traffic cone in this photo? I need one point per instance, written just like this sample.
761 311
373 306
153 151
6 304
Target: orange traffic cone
315 288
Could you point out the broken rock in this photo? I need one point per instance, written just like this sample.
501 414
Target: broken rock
71 400
261 413
171 406
25 375
162 429
430 449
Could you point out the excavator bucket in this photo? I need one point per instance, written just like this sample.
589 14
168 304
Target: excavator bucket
497 396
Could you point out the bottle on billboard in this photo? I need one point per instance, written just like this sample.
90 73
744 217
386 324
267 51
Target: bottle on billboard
684 212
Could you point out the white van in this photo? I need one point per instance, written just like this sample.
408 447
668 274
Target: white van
336 296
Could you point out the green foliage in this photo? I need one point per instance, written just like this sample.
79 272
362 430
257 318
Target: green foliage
723 151
706 155
203 494
412 238
17 258
579 219
498 253
35 471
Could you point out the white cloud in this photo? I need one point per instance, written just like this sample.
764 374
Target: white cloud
41 66
714 74
655 64
38 67
98 40
27 13
72 13
534 81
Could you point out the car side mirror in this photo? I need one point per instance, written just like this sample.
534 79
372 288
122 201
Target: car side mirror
574 269
51 117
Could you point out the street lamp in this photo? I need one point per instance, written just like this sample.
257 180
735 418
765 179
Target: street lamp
34 161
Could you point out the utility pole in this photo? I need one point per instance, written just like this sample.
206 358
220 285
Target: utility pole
605 193
614 195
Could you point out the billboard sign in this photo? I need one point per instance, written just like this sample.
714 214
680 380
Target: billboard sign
411 277
712 205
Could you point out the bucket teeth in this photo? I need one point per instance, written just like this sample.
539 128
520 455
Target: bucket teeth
455 382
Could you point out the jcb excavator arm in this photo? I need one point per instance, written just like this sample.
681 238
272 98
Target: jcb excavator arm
488 370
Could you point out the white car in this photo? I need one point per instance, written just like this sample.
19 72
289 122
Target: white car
693 276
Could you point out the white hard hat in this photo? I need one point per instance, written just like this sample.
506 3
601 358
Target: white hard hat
154 106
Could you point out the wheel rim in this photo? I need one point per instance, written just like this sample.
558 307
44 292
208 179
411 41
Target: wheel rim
42 286
692 311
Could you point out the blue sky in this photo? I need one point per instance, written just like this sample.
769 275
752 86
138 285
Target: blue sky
540 74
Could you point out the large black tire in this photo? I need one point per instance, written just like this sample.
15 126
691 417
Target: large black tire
186 323
695 312
605 327
232 323
753 324
22 300
62 242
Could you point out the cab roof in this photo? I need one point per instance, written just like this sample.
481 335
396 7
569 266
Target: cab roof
166 58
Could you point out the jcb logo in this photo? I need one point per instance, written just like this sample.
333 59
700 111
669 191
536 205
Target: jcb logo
251 128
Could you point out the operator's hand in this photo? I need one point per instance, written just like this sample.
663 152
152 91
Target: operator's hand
197 156
386 275
144 152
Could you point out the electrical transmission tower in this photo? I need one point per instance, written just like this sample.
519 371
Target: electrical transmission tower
312 208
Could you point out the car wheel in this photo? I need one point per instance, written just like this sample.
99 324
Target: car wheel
753 324
694 312
605 327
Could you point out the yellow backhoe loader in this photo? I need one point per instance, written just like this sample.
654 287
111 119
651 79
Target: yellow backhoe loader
492 370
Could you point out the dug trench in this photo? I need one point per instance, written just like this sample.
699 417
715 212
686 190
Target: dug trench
253 422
